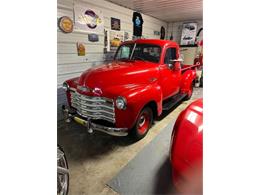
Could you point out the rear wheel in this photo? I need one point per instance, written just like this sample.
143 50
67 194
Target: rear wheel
143 123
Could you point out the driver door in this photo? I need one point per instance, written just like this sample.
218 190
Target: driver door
170 73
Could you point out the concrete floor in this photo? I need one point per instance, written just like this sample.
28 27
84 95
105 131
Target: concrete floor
96 158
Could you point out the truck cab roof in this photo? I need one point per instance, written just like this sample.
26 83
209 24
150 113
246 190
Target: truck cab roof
153 41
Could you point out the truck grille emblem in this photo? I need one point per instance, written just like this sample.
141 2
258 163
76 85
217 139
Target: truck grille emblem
97 91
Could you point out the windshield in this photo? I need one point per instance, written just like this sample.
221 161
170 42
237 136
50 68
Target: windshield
144 52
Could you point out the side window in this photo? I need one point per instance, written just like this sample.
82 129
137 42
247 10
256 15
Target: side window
123 52
170 55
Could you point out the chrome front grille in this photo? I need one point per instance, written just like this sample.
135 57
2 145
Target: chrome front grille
93 107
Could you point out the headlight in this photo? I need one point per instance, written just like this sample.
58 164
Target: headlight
121 103
65 86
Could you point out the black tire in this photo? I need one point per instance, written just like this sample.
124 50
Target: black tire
143 124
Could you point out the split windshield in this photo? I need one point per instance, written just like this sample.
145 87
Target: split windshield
144 52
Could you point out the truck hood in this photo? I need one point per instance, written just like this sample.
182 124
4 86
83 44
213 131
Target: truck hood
119 76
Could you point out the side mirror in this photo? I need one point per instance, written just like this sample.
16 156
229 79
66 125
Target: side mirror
172 66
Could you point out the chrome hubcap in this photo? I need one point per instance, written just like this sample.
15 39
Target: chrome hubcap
142 121
63 174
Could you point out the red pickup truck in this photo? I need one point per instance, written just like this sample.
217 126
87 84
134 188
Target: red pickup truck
125 96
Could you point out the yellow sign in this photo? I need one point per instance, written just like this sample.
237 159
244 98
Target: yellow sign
66 24
81 49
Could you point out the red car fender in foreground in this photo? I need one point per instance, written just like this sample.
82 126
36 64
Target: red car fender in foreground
186 150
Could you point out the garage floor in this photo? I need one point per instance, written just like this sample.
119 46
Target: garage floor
96 158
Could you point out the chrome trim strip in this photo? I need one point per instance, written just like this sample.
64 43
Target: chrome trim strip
110 130
72 89
97 117
93 98
95 110
94 105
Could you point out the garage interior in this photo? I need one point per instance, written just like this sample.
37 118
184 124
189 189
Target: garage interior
96 159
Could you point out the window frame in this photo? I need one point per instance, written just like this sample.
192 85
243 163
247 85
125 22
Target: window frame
166 50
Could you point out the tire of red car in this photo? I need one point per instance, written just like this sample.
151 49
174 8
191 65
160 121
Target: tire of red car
143 123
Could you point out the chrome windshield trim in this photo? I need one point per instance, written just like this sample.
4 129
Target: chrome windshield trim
133 50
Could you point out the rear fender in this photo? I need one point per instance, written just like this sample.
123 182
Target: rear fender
186 80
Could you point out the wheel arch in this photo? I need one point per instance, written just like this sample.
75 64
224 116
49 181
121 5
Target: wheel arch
153 105
187 79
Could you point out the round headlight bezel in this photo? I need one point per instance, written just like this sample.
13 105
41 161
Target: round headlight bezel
65 86
121 103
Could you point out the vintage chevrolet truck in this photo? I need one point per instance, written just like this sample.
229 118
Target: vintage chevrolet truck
125 96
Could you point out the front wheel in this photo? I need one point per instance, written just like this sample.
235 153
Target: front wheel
143 123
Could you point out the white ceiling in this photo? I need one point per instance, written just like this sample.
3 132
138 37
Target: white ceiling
167 10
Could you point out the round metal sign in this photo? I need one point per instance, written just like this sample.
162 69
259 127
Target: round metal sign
65 24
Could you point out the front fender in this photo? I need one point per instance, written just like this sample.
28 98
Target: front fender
137 97
72 85
187 78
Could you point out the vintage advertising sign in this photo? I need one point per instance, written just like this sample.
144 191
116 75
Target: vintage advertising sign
116 38
188 35
65 24
81 49
115 24
88 19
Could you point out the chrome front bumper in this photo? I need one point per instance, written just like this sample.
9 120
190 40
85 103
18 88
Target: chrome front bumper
68 116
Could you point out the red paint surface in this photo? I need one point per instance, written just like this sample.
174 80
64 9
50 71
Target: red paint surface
140 82
187 149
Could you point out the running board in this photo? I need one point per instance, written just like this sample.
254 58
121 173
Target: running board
171 102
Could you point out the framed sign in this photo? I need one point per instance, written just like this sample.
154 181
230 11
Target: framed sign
188 35
115 24
88 19
65 24
93 37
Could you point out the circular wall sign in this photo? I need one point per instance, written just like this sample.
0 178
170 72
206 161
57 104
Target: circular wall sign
65 24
